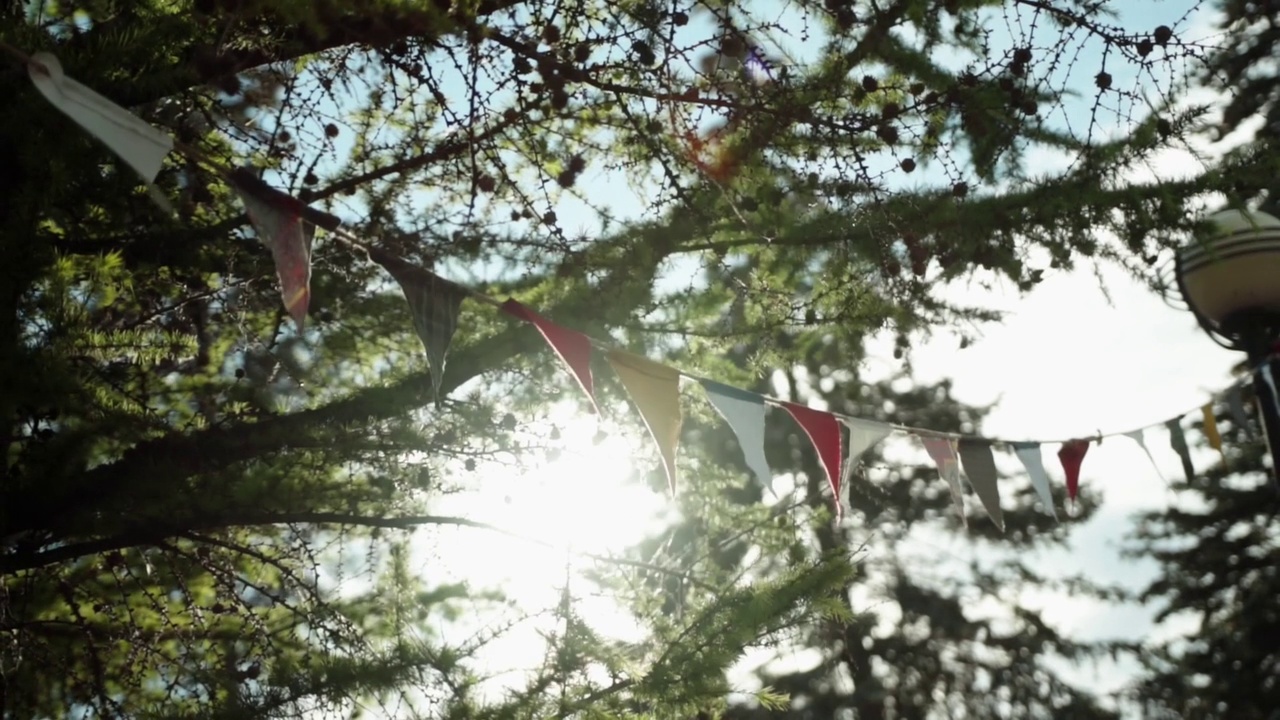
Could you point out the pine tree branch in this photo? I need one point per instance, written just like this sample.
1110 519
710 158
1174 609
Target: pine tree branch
156 534
373 25
179 455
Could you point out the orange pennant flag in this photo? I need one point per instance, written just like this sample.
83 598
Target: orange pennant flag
655 390
1211 431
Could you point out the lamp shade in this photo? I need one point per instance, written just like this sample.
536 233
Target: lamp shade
1236 270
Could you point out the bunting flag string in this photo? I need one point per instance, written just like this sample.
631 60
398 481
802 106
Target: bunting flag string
286 226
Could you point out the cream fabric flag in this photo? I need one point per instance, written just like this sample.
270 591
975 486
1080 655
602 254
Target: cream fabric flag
655 389
863 435
1138 437
140 145
1029 454
943 451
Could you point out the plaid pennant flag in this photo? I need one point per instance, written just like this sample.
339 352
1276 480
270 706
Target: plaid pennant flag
434 303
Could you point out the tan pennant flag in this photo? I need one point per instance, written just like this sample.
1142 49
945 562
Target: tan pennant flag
280 227
434 303
655 390
980 466
1211 430
139 144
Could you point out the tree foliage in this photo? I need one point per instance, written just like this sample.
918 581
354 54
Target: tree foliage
1217 554
186 479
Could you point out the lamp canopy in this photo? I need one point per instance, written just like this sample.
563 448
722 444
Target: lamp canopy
1231 279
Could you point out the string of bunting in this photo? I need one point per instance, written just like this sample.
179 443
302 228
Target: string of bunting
287 227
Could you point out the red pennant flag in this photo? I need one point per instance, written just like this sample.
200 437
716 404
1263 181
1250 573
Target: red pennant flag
823 430
1072 455
572 347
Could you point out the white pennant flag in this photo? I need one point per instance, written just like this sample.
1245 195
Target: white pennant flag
1265 370
140 145
943 451
863 435
744 411
1137 436
1029 454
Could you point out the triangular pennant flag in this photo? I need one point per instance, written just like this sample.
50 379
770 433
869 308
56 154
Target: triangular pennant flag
655 389
1029 454
863 435
140 145
745 412
280 227
1265 373
246 180
1235 400
1211 430
572 347
824 433
980 466
943 451
1071 455
434 303
1178 441
1138 437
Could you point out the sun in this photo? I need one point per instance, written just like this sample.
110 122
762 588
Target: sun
587 498
585 501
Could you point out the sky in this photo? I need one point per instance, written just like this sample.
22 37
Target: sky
1068 360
